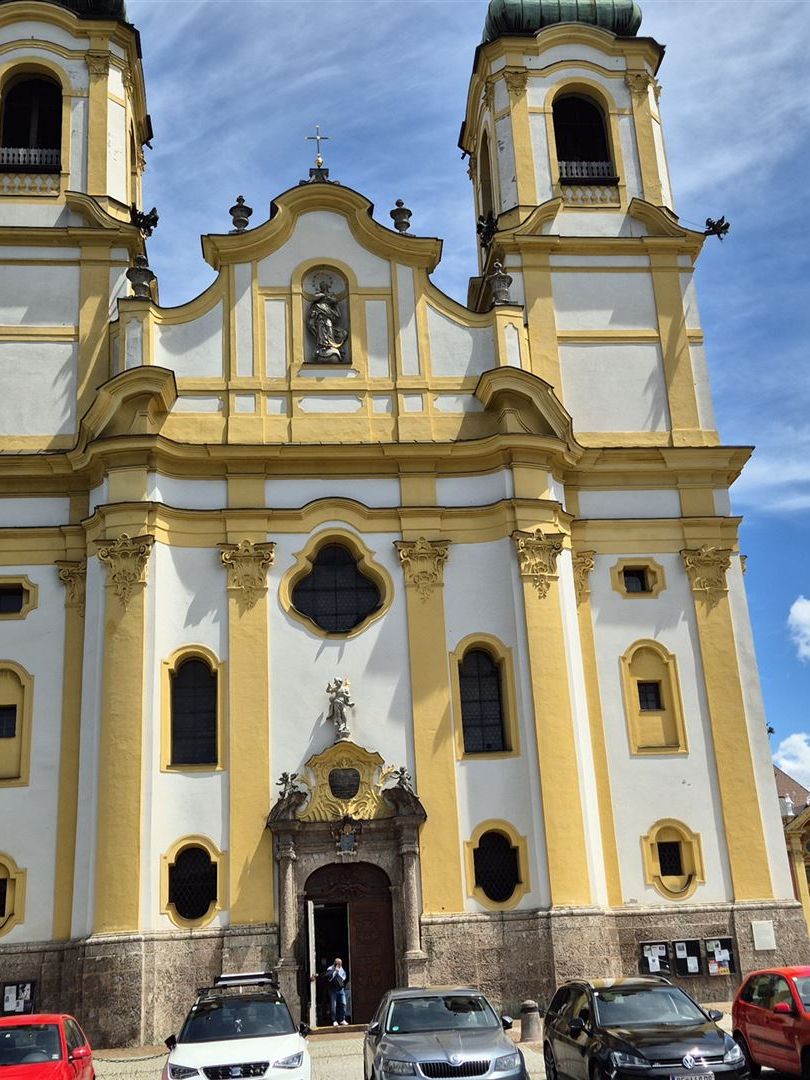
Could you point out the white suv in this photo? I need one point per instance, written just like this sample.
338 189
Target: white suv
239 1028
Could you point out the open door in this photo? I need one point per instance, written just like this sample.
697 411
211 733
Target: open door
311 965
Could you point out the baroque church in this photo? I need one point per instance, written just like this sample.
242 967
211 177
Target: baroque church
340 618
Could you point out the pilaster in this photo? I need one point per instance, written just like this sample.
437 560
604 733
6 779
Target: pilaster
706 568
544 354
641 84
118 850
796 850
537 554
517 79
680 379
423 567
251 855
98 64
94 302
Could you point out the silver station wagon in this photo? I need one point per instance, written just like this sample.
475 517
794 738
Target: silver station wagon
440 1033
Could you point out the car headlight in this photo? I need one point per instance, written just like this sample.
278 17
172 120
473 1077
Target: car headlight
181 1072
507 1063
628 1061
398 1068
733 1056
291 1062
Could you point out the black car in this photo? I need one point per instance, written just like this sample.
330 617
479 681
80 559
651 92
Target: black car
635 1029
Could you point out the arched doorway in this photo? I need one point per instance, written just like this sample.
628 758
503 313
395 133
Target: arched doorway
351 916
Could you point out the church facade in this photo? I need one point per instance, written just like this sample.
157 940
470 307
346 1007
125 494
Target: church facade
337 617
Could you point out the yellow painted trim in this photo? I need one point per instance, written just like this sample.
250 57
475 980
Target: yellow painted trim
502 655
795 844
217 857
30 596
517 841
25 714
656 578
541 320
304 560
15 894
673 888
665 672
677 357
168 668
645 142
94 306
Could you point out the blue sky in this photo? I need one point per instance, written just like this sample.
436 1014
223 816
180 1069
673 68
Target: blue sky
234 87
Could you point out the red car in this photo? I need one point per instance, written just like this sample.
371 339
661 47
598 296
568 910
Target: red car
46 1046
771 1020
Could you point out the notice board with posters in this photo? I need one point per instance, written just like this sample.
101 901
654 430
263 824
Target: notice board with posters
654 958
18 998
720 956
688 957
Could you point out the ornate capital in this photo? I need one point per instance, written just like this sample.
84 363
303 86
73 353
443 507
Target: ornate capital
638 82
98 64
247 565
73 576
517 79
423 563
129 82
125 559
584 562
537 554
285 849
489 94
706 567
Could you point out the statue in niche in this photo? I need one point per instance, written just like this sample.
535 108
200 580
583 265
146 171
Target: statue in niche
339 701
324 321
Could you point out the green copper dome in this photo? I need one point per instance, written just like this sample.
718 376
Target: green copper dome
509 17
93 9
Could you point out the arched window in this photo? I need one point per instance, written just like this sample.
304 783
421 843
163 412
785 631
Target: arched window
12 894
653 700
482 715
31 125
194 700
497 866
673 860
15 723
335 594
193 886
580 134
485 178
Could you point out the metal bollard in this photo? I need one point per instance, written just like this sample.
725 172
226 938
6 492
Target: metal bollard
529 1022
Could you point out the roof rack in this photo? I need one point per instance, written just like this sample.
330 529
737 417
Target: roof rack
248 980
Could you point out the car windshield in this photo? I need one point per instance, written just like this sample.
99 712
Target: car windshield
803 988
629 1007
236 1018
440 1012
29 1044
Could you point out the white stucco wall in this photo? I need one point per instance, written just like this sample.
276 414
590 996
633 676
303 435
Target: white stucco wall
642 503
39 295
604 301
323 234
28 511
615 387
283 493
243 313
117 151
457 350
192 349
37 387
480 490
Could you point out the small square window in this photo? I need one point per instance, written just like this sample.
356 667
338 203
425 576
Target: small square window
669 858
8 721
649 697
12 599
636 579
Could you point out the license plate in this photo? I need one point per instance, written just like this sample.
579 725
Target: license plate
692 1076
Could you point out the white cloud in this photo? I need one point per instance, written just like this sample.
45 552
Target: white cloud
799 626
793 755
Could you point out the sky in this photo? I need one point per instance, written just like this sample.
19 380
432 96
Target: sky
235 86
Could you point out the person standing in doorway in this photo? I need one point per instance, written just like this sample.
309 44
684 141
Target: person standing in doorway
336 979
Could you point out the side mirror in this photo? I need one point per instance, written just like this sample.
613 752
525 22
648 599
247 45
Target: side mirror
171 1042
576 1025
506 1022
81 1053
374 1029
714 1014
784 1008
304 1029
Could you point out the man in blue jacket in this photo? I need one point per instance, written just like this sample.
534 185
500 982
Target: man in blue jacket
336 979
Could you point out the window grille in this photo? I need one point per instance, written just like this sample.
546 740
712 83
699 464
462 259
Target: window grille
497 871
635 579
192 883
649 697
12 598
335 595
194 696
669 858
32 126
8 721
481 703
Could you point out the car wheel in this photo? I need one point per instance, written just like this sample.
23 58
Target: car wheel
551 1064
751 1065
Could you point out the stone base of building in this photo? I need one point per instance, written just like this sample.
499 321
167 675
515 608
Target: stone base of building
135 989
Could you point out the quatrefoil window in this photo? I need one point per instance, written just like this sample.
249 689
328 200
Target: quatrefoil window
336 595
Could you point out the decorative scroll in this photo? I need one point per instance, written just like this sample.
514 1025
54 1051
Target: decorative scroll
247 565
73 576
366 804
706 567
423 563
537 554
125 559
638 82
584 562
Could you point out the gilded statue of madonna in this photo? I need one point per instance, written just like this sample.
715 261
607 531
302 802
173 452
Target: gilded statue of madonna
325 324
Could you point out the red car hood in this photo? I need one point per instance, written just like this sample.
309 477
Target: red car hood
46 1070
